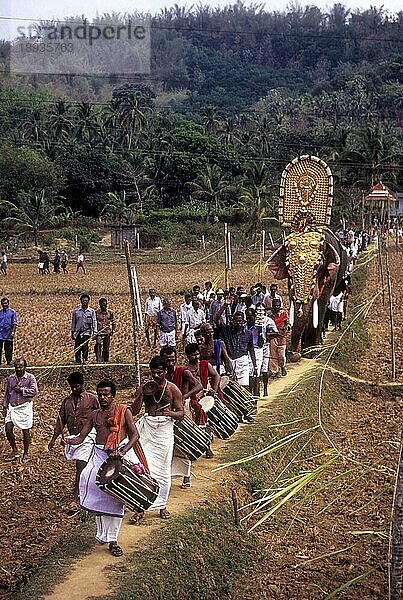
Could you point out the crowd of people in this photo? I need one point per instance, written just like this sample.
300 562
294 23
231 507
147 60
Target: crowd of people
257 319
236 332
222 332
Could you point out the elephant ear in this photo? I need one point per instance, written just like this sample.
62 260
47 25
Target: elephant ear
276 264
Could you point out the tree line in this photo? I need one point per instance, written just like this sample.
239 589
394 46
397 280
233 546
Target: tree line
211 132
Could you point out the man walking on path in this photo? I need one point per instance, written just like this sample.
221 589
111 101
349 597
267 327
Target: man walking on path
21 388
8 325
162 408
116 435
167 323
239 345
73 413
83 328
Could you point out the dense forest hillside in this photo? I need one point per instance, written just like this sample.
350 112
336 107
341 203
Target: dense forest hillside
234 93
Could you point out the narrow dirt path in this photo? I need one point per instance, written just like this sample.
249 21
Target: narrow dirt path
88 577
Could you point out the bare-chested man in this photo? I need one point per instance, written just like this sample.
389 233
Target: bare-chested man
189 386
181 376
204 372
116 435
201 370
162 407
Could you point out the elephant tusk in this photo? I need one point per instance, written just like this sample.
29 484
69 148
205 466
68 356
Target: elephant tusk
315 314
292 313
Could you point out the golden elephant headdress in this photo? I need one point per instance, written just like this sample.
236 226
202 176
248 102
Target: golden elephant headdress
306 194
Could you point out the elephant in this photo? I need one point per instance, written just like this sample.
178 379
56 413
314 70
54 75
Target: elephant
315 263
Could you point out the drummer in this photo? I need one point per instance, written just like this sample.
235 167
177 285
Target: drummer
239 344
116 434
163 407
213 350
201 370
182 377
204 372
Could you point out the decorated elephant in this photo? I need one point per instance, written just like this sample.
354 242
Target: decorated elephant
314 262
311 257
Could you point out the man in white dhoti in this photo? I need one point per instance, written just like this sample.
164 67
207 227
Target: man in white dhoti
163 406
21 388
73 413
114 425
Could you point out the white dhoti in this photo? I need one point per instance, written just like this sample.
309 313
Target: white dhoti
240 366
107 528
108 509
190 336
157 440
336 303
265 358
167 338
83 450
259 362
21 416
92 497
181 465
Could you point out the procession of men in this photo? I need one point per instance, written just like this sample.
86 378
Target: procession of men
218 336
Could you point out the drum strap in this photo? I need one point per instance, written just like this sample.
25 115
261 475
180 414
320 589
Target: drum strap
117 429
138 448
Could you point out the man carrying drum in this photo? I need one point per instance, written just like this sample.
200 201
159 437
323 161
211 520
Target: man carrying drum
188 386
163 406
116 435
213 350
239 344
204 372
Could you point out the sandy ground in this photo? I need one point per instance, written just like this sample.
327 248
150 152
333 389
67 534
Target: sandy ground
89 575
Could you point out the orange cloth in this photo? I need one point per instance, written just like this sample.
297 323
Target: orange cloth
117 433
117 429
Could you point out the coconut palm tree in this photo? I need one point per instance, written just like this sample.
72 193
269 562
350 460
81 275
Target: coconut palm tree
34 126
87 123
118 208
32 213
132 116
210 185
255 194
211 121
371 154
60 121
